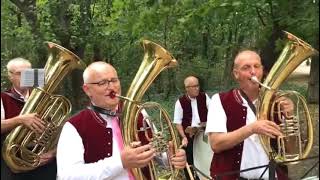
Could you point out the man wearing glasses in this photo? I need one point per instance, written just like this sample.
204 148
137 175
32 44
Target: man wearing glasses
190 111
90 145
12 102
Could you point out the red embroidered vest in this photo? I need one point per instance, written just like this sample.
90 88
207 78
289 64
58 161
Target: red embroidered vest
230 160
96 137
187 110
12 105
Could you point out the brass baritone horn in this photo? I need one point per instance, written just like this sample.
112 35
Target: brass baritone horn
22 147
155 60
297 128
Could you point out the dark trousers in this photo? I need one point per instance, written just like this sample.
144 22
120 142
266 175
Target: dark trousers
45 172
189 154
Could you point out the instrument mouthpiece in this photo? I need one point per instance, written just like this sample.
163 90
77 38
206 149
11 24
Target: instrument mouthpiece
112 94
255 79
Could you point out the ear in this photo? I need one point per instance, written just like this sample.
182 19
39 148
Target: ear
235 74
10 77
86 89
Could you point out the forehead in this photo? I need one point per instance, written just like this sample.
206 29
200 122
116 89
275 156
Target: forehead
18 67
191 81
103 72
247 57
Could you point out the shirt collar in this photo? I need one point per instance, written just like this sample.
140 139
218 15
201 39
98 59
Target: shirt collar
191 98
20 94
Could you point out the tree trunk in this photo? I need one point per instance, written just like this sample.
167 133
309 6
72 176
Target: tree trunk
313 85
268 54
28 8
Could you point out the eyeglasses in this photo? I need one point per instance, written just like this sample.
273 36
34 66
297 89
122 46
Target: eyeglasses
15 73
193 86
106 82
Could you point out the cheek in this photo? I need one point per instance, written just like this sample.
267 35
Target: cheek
243 76
260 73
16 81
97 97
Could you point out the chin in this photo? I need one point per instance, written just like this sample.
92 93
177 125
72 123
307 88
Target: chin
252 86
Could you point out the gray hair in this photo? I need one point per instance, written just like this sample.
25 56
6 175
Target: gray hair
188 79
17 61
95 66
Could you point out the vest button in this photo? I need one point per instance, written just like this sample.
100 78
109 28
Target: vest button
108 154
109 143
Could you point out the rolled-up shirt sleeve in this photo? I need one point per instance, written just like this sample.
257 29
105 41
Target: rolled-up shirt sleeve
217 119
207 100
71 164
178 113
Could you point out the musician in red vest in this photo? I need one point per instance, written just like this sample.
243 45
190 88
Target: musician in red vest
90 145
12 102
232 126
190 111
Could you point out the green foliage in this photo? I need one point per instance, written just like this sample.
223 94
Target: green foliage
16 38
299 87
203 35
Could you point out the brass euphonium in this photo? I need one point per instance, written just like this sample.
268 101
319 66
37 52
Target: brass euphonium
155 60
22 147
297 128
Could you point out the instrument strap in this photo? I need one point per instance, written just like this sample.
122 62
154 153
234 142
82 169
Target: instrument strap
251 105
103 111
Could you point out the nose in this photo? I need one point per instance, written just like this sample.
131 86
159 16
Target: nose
253 71
109 87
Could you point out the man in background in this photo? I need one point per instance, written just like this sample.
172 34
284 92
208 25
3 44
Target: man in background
12 102
190 111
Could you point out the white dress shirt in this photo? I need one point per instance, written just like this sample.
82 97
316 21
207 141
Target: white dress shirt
178 112
70 158
253 154
2 111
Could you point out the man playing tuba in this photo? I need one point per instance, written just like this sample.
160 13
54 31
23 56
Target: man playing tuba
232 126
90 145
12 102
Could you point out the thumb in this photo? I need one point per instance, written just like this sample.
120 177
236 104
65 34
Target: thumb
171 149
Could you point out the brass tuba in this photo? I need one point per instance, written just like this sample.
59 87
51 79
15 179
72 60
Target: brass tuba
22 147
156 59
297 128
